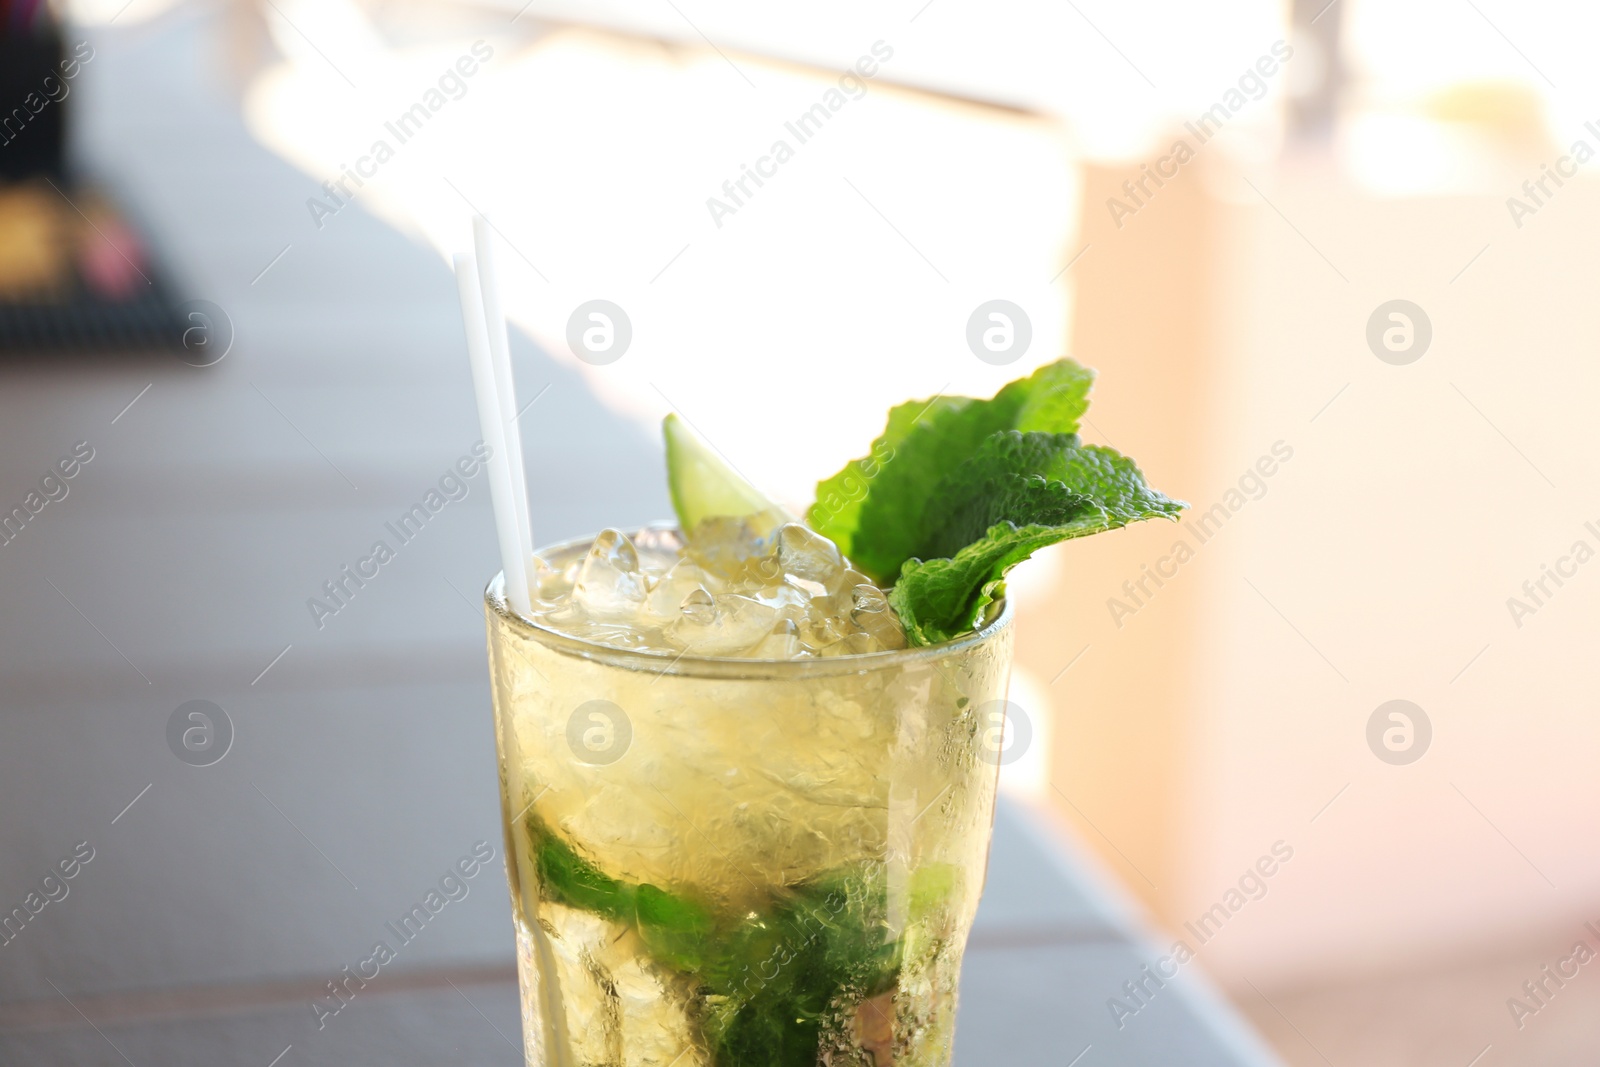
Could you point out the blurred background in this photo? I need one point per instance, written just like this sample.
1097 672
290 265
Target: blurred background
1333 261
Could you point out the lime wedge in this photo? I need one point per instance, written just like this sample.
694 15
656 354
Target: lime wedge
703 486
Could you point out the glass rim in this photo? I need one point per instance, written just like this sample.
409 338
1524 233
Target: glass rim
657 662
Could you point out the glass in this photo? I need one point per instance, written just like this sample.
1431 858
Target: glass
743 863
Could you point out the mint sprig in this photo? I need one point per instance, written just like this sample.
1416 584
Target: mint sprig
873 508
958 491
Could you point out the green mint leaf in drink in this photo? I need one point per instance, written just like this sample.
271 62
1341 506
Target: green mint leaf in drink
570 879
677 930
771 976
822 945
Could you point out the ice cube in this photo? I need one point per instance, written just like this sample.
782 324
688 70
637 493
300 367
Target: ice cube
698 607
809 588
842 584
820 631
804 553
610 585
781 643
868 598
735 624
722 545
547 584
671 591
792 602
873 617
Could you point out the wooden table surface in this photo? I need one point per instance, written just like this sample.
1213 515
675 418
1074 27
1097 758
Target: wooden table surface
219 899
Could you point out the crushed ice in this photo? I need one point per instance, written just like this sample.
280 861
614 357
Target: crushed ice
790 595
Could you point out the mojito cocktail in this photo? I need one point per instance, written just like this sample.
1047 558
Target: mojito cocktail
720 862
748 763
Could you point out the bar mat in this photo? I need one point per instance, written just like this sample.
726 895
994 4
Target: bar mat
76 278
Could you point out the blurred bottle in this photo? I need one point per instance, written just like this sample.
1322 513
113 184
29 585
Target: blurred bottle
34 91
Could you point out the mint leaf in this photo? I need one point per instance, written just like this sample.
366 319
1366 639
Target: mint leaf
787 968
873 508
675 928
1016 494
957 491
1007 476
568 878
767 978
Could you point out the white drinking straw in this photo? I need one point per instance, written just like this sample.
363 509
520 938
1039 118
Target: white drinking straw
505 381
483 383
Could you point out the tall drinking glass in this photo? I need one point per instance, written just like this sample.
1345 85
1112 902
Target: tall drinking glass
737 862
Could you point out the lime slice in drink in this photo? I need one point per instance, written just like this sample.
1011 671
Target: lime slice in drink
704 486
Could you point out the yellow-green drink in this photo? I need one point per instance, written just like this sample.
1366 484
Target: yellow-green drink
732 862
